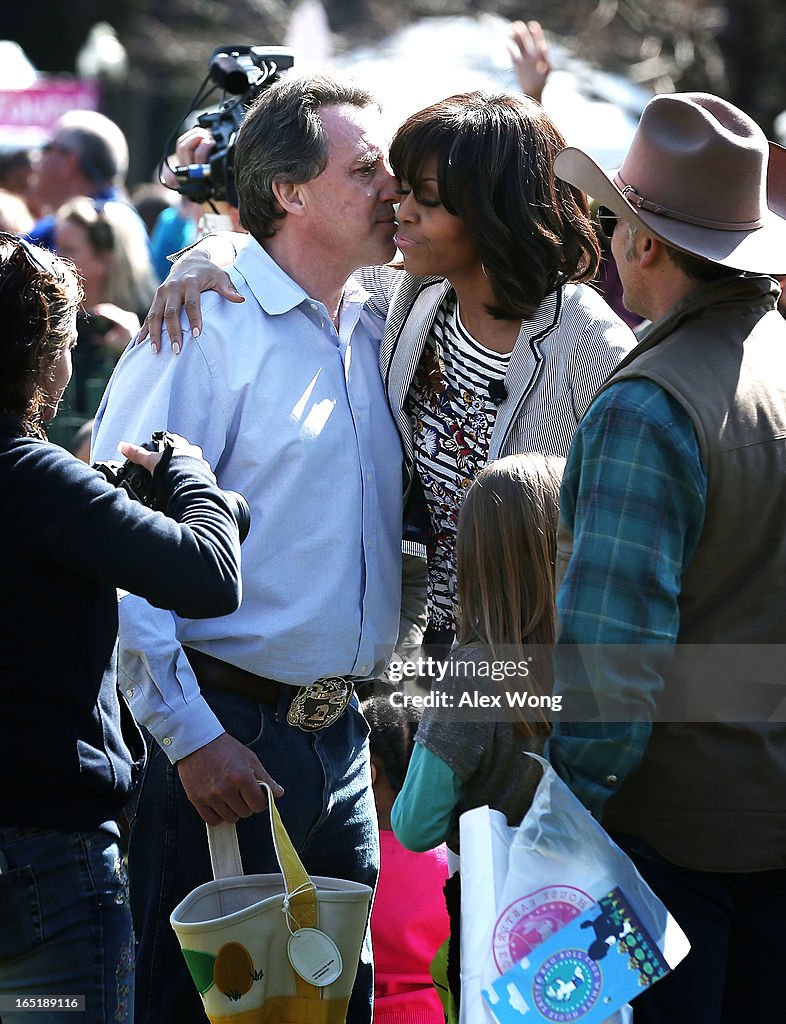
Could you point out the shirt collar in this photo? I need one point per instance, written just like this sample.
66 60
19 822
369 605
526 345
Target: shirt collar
274 290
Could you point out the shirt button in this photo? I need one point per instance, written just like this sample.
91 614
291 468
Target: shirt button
167 741
130 692
364 668
611 780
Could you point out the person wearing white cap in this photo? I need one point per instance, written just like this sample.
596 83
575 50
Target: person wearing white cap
672 555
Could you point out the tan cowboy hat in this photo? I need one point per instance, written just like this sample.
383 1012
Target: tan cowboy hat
696 177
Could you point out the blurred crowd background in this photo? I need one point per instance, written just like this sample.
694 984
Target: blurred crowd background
141 63
730 47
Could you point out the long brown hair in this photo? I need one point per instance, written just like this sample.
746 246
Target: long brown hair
114 236
506 545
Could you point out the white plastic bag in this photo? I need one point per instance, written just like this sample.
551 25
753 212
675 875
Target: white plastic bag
520 885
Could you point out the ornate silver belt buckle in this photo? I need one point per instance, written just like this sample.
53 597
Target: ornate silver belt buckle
321 704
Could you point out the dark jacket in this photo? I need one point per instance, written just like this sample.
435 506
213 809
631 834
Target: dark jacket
69 539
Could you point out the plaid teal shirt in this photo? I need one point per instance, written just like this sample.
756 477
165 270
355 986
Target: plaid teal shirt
634 498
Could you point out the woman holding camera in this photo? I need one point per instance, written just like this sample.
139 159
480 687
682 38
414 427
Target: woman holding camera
69 750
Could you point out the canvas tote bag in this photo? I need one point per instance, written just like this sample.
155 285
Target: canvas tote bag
241 934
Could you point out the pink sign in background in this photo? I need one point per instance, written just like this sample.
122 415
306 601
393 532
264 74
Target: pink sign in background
27 115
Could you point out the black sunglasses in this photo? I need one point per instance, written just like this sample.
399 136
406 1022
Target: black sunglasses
607 220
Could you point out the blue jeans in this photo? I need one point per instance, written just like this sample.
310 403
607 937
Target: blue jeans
65 924
736 925
327 808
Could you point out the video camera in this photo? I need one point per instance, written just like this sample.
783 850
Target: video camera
241 72
141 486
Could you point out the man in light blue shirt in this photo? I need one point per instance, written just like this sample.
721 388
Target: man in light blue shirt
283 394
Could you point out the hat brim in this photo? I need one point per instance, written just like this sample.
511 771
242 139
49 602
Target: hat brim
776 180
760 251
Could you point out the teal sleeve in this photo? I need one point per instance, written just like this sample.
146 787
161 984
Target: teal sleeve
425 809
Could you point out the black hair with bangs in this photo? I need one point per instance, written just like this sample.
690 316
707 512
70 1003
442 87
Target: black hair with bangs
495 154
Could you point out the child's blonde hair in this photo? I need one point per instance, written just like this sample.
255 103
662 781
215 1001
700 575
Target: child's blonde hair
505 551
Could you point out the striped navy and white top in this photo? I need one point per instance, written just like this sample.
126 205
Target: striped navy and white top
452 418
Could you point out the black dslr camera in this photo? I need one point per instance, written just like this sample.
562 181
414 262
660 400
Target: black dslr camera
141 486
242 72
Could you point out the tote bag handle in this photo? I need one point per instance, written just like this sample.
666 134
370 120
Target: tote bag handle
226 863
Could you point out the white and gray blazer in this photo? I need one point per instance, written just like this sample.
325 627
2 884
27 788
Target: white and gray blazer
561 357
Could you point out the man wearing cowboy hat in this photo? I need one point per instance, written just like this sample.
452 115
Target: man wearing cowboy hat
673 554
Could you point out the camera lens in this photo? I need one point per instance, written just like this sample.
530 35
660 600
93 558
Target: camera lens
240 510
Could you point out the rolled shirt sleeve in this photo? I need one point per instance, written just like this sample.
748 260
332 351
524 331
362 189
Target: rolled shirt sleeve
158 682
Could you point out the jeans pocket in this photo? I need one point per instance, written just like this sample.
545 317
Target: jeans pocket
20 920
141 772
242 718
356 711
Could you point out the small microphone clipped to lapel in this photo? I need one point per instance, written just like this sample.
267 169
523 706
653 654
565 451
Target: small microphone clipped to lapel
497 392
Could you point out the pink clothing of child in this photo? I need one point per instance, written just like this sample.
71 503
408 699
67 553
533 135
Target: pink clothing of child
408 924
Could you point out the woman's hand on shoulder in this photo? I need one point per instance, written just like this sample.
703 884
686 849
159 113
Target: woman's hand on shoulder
192 274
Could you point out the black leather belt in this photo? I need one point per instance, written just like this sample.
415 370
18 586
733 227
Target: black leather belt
214 674
310 707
